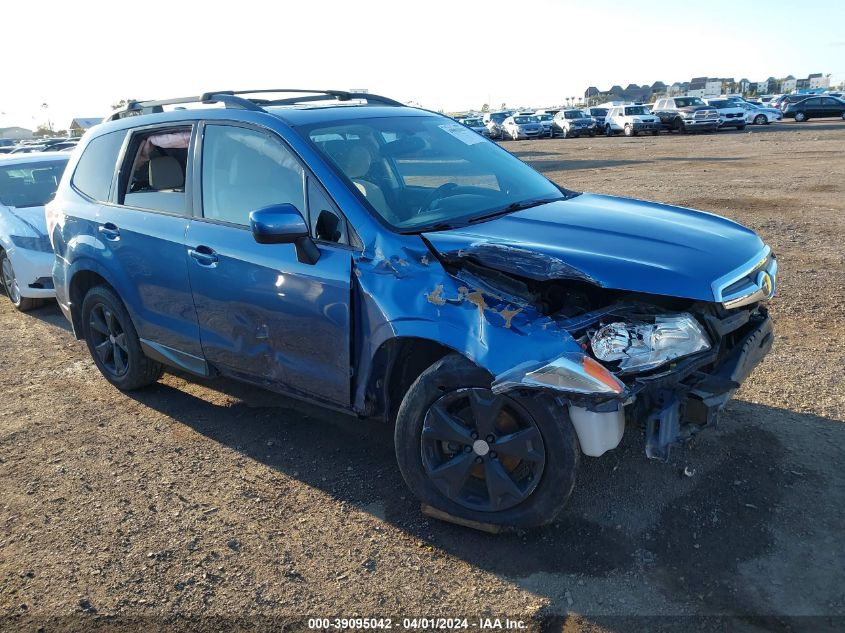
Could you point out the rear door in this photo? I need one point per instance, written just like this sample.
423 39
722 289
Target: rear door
264 315
140 231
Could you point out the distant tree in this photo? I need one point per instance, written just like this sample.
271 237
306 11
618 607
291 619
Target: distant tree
42 130
504 106
485 107
121 104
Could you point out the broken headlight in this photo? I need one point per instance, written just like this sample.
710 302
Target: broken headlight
642 346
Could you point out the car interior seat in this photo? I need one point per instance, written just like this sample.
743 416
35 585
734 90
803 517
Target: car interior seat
166 174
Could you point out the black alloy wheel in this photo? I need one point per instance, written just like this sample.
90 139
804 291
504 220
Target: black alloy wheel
108 338
482 451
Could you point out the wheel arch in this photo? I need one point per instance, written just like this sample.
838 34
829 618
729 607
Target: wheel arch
81 281
396 364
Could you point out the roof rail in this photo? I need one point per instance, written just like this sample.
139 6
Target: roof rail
315 95
228 98
232 98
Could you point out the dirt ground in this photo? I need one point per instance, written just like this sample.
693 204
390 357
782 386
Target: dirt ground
219 505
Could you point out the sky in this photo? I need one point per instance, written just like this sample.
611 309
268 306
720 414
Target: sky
79 57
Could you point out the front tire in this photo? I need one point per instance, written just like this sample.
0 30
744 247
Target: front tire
480 456
740 128
800 117
12 288
679 126
113 341
629 130
608 131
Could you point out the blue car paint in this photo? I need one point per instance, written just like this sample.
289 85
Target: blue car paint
270 319
614 242
397 286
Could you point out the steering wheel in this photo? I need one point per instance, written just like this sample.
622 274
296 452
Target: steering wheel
452 189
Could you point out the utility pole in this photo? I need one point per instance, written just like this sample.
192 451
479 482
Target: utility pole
46 110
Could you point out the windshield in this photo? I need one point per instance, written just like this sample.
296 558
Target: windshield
574 114
544 117
637 110
472 122
598 111
419 173
683 102
30 184
721 104
522 120
498 117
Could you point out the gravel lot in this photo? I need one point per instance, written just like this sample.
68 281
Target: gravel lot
233 506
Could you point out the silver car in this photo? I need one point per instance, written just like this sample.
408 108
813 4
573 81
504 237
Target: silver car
522 126
573 122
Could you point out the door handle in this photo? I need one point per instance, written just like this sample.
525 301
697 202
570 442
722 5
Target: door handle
204 256
109 231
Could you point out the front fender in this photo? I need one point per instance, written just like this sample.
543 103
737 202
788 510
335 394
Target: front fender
401 290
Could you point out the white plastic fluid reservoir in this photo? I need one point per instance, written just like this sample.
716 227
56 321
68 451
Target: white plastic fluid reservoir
597 432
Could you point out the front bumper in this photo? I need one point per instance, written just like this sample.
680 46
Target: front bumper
703 124
677 404
33 270
641 126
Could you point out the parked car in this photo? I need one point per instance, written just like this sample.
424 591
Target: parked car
7 149
573 123
522 126
27 149
598 115
476 124
731 114
545 120
27 183
686 114
630 120
761 115
494 121
7 142
388 262
781 101
815 108
60 147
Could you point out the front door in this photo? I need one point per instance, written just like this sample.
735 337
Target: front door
264 315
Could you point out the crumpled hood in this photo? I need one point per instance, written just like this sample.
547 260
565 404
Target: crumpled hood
613 242
31 217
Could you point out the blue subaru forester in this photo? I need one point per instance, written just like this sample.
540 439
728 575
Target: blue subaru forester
389 262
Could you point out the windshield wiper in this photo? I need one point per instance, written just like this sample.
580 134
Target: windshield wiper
514 206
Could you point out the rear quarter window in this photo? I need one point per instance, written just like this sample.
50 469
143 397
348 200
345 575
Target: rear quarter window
95 170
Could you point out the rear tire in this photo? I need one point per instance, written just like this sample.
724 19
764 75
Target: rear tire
608 131
113 341
655 132
12 289
629 131
679 126
760 119
740 128
478 478
800 117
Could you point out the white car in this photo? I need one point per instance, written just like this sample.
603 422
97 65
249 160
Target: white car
730 113
27 183
631 120
760 115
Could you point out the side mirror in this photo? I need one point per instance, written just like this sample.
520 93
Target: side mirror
283 224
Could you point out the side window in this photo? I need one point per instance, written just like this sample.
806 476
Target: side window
327 223
827 101
154 169
94 172
244 170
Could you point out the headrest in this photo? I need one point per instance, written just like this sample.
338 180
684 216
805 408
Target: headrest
166 173
355 161
42 175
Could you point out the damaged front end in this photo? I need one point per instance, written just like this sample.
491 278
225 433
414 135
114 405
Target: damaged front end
612 357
